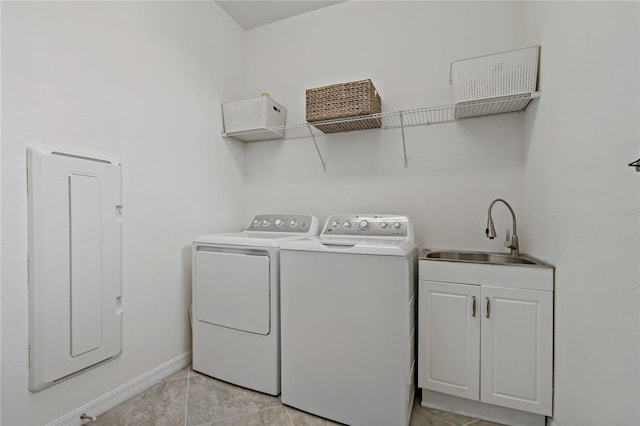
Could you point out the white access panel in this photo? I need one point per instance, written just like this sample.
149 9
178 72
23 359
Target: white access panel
75 264
84 262
232 290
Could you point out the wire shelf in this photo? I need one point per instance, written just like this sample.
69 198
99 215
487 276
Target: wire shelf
394 120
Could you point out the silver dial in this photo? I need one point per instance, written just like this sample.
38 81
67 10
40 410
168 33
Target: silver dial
396 225
256 221
293 223
364 224
277 222
347 224
335 224
265 222
383 225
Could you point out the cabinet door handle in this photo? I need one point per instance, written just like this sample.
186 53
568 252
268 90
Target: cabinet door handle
488 308
473 307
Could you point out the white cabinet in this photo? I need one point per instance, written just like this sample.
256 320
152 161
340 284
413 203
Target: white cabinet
449 338
483 339
517 349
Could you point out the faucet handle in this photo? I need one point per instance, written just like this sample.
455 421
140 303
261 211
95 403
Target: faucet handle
507 242
512 243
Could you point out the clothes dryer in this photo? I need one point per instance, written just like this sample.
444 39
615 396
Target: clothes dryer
236 300
348 307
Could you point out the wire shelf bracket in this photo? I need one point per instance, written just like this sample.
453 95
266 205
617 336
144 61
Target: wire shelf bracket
313 138
404 145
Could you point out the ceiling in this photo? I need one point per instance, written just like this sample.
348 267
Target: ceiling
251 14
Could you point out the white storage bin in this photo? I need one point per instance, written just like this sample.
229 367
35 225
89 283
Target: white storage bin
497 75
261 116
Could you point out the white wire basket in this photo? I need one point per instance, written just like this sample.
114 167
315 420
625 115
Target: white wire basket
494 76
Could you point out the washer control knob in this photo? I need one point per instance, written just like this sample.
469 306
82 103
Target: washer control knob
346 225
396 225
293 223
256 221
265 222
383 225
277 222
335 224
364 224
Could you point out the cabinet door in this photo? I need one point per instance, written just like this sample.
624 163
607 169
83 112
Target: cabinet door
449 338
517 349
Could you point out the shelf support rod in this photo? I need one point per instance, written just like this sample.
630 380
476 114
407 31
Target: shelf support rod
313 137
404 145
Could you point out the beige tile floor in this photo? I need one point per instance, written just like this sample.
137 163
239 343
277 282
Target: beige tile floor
188 398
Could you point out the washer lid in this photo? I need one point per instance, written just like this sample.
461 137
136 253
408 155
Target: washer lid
253 239
266 231
373 246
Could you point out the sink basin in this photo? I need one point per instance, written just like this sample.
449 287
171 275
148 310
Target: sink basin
480 257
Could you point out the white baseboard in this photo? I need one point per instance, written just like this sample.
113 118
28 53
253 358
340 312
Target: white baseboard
124 392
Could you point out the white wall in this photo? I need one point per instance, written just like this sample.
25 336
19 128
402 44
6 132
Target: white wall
582 202
455 170
562 163
141 82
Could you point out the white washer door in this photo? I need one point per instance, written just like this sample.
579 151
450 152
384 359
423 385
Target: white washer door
232 290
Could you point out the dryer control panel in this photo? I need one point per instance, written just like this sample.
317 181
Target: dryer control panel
283 223
368 225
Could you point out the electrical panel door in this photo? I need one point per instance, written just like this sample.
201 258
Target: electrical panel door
75 264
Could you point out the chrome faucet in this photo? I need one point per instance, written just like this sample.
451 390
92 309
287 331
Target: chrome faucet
511 242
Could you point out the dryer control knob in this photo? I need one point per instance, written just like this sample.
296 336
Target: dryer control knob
335 224
256 221
265 222
346 225
277 222
397 225
293 223
364 224
383 225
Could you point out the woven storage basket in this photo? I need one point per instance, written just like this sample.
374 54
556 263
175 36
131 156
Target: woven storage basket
496 75
344 100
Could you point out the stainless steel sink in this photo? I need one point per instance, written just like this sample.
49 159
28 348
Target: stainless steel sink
480 257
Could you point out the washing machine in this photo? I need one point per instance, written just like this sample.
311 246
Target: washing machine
348 307
236 300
